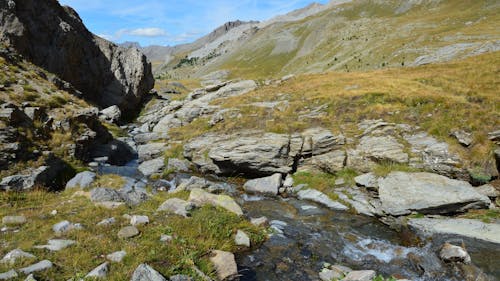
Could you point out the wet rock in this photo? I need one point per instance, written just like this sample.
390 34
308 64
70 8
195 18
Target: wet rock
12 256
99 272
369 180
110 114
225 265
452 253
14 220
116 256
152 167
65 226
268 185
262 221
105 195
146 273
40 266
176 206
11 274
139 220
200 197
464 138
321 198
242 239
128 232
360 275
401 193
81 180
151 150
56 245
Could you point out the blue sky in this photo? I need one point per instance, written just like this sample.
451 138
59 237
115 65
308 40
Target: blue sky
165 22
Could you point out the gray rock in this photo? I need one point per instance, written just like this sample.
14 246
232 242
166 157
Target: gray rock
331 162
105 195
262 221
56 245
200 197
464 138
116 256
166 238
321 198
128 232
268 185
180 278
242 239
149 137
201 183
360 275
14 220
176 206
99 272
151 150
494 136
65 226
30 278
110 114
40 266
81 180
457 228
12 256
288 183
139 220
320 141
11 274
452 253
177 165
152 167
401 193
225 265
488 190
107 222
376 149
368 180
146 273
134 196
329 275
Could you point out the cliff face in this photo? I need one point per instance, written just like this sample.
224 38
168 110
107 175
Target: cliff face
55 38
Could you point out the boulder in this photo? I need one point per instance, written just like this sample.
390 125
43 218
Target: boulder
488 190
369 180
268 185
452 253
145 272
105 195
151 150
376 149
225 265
110 114
331 162
40 266
464 138
176 206
152 167
177 165
200 197
321 198
65 226
99 272
242 239
426 193
319 141
360 275
81 180
128 232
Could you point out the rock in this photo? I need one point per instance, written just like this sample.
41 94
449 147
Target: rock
268 185
401 193
321 198
319 141
331 162
146 273
176 206
376 149
180 278
65 226
176 165
166 238
116 256
81 180
370 181
201 183
494 136
105 195
329 275
107 222
200 197
288 183
151 150
452 253
109 205
242 239
11 274
110 114
152 167
139 220
360 275
12 256
488 190
128 232
262 221
30 278
105 74
225 265
40 266
99 272
457 228
14 220
56 245
149 137
464 138
134 196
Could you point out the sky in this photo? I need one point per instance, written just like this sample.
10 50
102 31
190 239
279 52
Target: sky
168 22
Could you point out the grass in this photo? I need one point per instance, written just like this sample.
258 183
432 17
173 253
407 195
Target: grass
385 168
320 181
109 181
487 216
207 229
116 131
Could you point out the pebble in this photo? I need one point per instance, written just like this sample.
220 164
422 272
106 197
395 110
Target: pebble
128 232
242 239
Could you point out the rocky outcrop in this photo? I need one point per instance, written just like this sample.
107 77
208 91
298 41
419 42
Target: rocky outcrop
55 38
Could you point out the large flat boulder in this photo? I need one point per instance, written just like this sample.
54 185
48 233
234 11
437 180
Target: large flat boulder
427 193
268 185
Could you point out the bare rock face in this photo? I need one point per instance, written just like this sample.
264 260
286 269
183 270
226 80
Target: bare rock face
55 38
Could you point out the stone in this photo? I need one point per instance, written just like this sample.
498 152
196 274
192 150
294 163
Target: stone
488 190
288 183
225 265
177 165
268 185
110 114
369 180
457 228
65 226
331 162
56 244
11 274
452 253
151 150
99 272
40 266
360 275
382 149
329 275
30 278
82 180
146 273
176 206
14 220
242 239
12 256
426 193
321 198
200 197
105 195
166 238
494 136
116 256
464 138
134 196
107 222
179 277
128 232
262 221
139 220
319 141
152 167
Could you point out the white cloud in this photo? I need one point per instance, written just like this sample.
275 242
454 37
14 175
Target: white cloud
147 32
